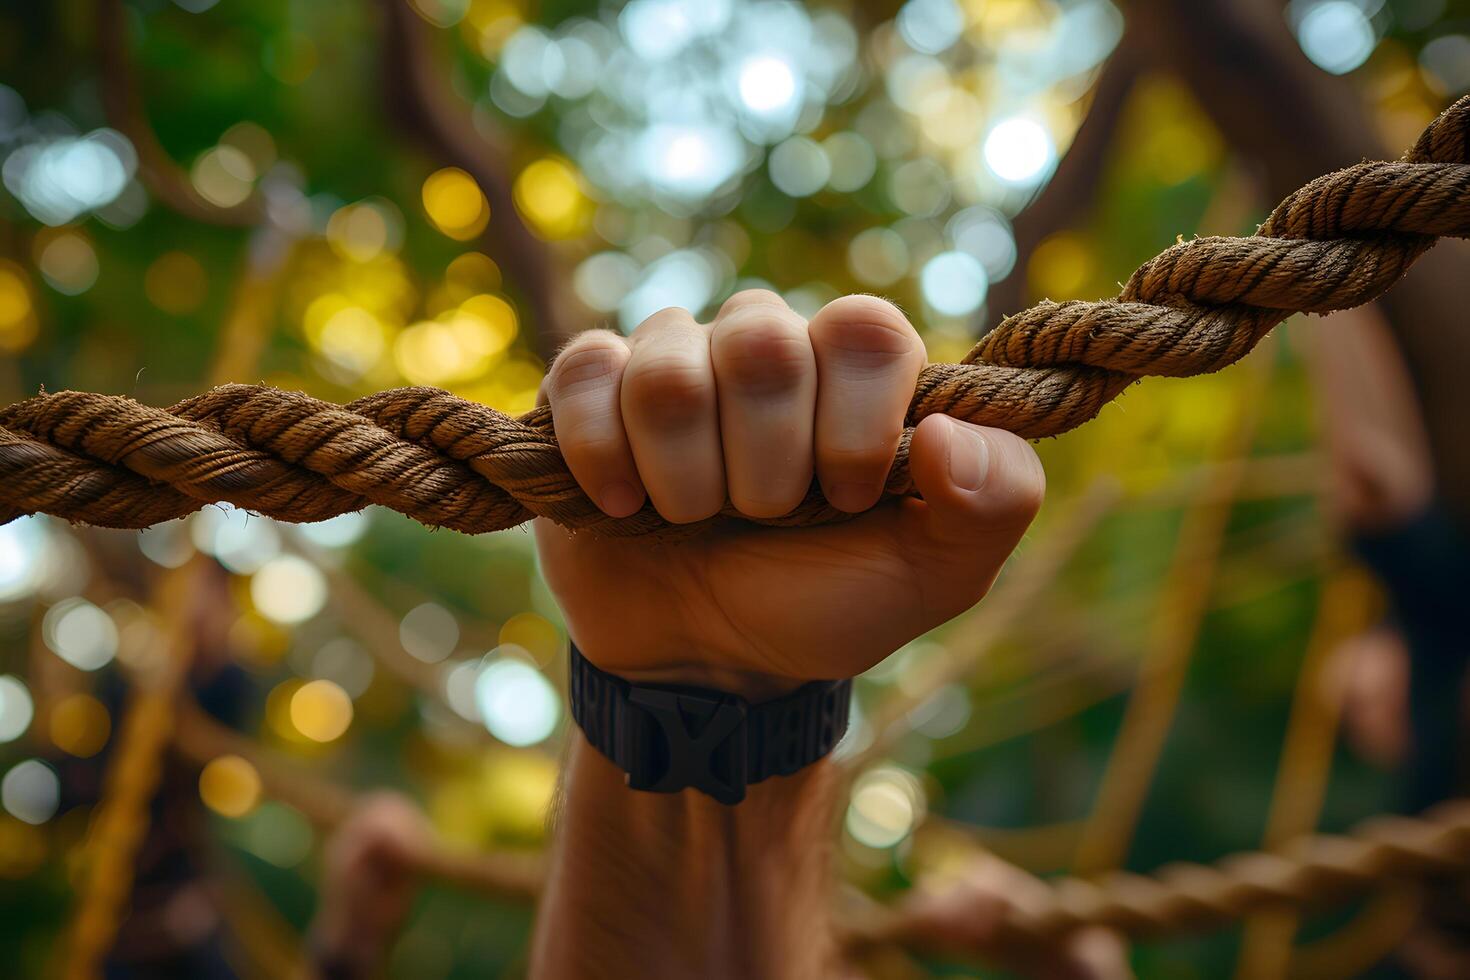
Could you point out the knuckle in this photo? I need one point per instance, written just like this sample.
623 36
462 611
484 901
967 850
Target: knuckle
866 329
666 318
590 361
752 297
763 353
668 387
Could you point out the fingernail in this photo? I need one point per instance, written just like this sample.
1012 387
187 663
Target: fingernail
969 457
851 497
619 499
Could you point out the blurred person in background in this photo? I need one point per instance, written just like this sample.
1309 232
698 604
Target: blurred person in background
1405 678
1403 682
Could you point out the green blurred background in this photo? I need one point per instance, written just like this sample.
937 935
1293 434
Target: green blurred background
340 196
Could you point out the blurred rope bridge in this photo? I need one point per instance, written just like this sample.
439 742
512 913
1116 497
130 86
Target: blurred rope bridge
1308 871
1339 242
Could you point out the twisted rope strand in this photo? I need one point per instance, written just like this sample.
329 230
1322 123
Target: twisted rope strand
1314 871
1200 305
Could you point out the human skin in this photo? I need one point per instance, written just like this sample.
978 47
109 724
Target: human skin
749 408
369 881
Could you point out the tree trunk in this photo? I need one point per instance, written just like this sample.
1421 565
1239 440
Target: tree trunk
1295 123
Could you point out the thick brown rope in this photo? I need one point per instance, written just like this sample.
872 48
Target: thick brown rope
1340 241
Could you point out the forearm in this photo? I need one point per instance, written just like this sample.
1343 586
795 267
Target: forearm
677 885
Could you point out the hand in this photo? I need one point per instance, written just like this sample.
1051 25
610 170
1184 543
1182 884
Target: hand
369 881
967 918
748 408
1370 674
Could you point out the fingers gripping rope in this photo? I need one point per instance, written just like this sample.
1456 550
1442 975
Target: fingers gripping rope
1200 305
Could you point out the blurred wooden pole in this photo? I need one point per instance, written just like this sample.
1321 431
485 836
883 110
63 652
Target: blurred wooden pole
1294 122
425 105
149 720
1182 602
1344 608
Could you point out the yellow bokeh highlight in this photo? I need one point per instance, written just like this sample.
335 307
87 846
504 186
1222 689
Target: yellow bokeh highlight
18 320
321 711
460 345
502 799
1166 134
549 196
454 810
515 792
534 634
511 388
79 725
358 232
176 283
455 203
230 786
1062 265
349 335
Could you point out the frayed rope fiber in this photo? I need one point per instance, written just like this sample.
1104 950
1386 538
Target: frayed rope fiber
1336 243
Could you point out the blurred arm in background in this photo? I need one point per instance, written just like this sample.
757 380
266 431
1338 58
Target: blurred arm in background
1404 681
368 885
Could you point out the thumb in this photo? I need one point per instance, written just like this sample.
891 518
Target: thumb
981 487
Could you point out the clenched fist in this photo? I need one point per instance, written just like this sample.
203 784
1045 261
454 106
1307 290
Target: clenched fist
749 408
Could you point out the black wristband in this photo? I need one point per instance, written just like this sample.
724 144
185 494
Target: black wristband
668 738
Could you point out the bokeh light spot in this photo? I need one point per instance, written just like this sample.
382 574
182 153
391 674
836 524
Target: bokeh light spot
80 633
288 589
455 204
321 710
18 321
953 283
518 705
887 804
549 195
16 708
799 167
67 262
535 634
1062 265
1019 150
229 785
1336 35
878 256
31 792
224 176
429 632
767 85
79 725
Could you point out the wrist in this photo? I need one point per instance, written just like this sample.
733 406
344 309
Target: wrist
335 953
684 885
689 666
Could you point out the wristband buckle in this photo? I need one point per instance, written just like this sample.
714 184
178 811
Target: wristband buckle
694 741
